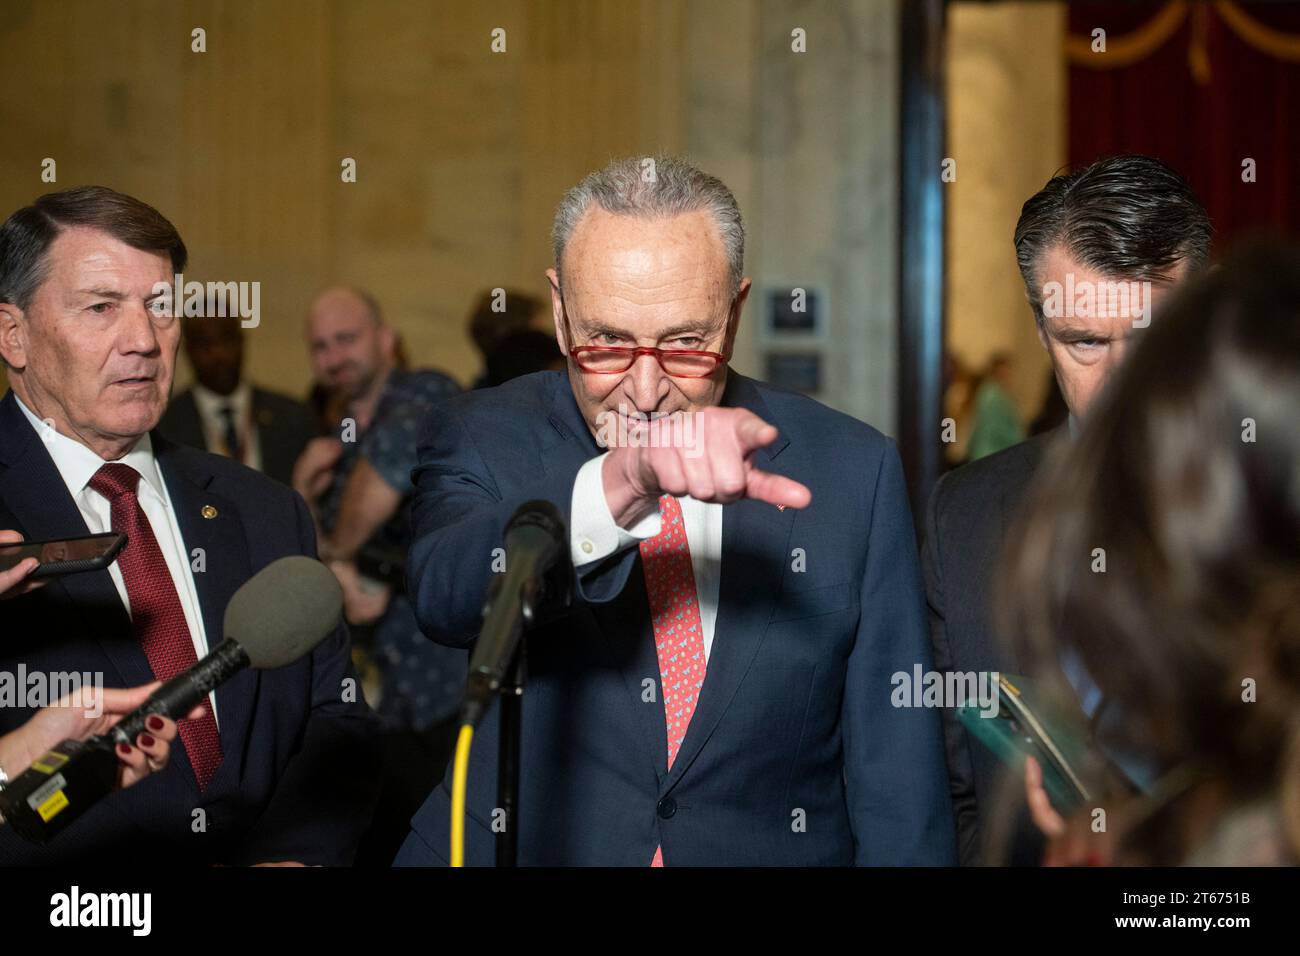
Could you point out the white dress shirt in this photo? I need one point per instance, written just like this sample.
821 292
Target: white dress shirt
77 464
240 401
595 536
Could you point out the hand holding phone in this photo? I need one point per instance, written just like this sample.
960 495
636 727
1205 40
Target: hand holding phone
23 564
15 580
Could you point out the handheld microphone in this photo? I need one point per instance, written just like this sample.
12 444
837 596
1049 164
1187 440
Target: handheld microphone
277 616
537 575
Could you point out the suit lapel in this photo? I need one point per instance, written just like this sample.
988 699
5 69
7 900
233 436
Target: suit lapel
1009 502
568 441
33 490
627 639
211 522
755 538
626 635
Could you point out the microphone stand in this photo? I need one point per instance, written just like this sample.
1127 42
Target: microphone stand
508 745
542 600
541 604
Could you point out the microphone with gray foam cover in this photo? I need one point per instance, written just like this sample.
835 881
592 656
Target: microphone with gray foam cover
277 616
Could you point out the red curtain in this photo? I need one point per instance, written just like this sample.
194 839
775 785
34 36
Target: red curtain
1248 106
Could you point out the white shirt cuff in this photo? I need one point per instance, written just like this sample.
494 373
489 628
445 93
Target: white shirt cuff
594 536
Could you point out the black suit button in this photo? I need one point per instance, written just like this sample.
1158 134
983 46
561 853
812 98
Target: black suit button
667 807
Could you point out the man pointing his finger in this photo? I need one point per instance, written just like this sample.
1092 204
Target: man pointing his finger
746 579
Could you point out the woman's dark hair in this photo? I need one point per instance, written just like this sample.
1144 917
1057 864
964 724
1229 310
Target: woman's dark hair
26 236
1127 217
1186 476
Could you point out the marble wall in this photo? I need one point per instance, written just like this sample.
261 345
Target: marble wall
462 153
810 141
1006 130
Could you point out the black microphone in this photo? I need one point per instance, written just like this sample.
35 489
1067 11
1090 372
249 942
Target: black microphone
276 617
536 577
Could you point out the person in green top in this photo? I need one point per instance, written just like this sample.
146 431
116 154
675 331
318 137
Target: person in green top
997 423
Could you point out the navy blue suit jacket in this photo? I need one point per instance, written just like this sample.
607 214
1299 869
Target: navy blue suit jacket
968 518
296 779
794 754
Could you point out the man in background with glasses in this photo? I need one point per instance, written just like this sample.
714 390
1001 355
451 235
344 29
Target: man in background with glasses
746 580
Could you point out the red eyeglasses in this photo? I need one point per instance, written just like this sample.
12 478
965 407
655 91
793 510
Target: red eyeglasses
679 363
616 359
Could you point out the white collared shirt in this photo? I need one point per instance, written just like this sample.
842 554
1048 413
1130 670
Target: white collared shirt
240 401
594 537
77 464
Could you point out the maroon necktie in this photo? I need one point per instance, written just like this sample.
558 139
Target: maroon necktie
156 613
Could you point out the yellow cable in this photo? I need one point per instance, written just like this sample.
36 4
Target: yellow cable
459 784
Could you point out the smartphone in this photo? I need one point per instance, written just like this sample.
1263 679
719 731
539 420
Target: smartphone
1029 725
66 555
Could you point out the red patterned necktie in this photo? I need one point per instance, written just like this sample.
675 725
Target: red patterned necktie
675 614
156 614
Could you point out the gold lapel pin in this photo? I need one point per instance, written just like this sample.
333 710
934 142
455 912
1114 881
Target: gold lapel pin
209 511
780 507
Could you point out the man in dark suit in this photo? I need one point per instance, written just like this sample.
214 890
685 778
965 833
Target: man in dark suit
1098 248
747 585
278 768
228 415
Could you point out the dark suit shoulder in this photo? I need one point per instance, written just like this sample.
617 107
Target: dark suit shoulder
983 482
251 485
504 410
818 428
513 410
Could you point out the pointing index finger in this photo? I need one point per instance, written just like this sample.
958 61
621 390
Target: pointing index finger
752 433
777 490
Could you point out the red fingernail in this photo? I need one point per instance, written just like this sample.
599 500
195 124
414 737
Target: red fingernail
155 722
124 750
146 740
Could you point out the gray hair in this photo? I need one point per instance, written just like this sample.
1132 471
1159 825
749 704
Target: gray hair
652 187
